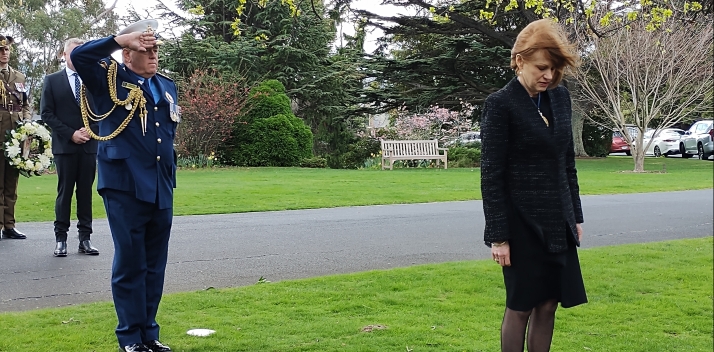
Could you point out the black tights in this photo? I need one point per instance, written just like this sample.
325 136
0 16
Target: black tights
540 322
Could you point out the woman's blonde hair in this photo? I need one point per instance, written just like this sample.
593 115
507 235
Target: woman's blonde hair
549 36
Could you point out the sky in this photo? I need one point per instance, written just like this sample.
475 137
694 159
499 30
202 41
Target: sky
347 28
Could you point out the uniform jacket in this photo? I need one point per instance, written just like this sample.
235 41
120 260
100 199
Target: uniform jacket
132 162
527 170
60 111
16 93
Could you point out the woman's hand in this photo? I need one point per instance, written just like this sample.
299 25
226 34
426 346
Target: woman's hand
579 229
501 253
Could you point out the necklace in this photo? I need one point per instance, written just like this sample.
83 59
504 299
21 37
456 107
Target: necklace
547 124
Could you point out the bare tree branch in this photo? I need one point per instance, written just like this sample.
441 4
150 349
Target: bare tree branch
652 79
110 9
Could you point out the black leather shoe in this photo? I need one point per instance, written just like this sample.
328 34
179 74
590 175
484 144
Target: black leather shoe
136 347
61 249
13 234
87 248
157 346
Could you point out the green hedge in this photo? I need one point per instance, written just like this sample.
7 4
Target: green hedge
465 156
315 163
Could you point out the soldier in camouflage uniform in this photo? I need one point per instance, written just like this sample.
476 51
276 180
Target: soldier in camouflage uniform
14 106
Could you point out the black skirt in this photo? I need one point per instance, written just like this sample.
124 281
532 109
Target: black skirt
535 275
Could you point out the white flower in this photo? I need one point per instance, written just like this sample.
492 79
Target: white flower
29 164
30 128
44 160
13 151
15 135
48 152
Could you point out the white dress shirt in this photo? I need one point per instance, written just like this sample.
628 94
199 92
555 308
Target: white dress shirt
70 78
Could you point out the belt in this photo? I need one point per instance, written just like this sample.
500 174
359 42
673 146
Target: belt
11 108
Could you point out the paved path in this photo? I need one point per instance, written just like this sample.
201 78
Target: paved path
237 249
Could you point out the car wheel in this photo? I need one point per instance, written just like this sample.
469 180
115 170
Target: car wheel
683 152
628 153
657 152
700 152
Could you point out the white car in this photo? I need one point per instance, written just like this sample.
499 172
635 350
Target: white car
699 140
466 138
665 142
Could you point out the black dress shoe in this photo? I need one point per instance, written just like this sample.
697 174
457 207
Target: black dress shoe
87 248
136 347
61 249
157 346
13 234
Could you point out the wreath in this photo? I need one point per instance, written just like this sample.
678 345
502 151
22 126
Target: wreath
28 148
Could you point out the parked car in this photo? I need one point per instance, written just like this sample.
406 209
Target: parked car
618 144
665 142
699 140
466 138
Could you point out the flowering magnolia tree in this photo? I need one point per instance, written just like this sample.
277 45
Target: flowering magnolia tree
210 104
436 122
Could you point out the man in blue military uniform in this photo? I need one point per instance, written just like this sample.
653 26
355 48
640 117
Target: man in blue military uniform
137 114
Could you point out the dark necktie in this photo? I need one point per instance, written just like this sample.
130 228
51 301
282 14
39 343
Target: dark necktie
6 75
76 87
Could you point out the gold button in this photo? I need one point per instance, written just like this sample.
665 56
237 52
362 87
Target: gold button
156 108
157 124
158 158
159 140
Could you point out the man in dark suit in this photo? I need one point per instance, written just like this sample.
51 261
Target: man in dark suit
137 172
74 152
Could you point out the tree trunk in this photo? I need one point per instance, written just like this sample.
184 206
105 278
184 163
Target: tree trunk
578 120
639 161
638 153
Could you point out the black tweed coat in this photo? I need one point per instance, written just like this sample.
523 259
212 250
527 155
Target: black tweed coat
527 169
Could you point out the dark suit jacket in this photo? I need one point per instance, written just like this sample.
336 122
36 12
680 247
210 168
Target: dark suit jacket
527 170
144 165
60 111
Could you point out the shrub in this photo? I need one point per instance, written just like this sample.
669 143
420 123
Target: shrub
272 143
210 102
363 149
315 162
269 134
197 162
268 99
596 140
464 156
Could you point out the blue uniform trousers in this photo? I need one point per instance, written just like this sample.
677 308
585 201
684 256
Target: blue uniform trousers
140 231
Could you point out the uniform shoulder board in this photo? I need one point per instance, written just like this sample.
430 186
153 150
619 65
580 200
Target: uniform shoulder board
165 76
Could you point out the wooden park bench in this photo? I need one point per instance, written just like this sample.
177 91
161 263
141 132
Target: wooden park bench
412 150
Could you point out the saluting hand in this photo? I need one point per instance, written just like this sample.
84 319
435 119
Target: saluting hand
139 41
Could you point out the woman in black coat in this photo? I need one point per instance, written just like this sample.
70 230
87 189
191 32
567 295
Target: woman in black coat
530 188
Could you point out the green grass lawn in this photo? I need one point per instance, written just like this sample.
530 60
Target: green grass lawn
234 190
643 297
